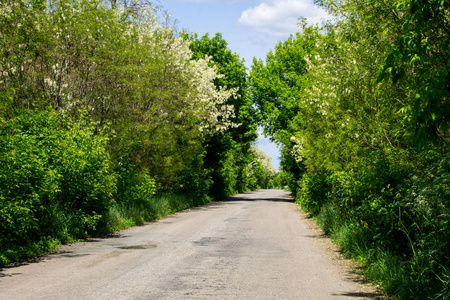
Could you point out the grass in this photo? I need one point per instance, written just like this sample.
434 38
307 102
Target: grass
380 266
124 216
120 216
21 253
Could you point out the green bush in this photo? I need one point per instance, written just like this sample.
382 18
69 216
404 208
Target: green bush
56 182
391 215
313 192
134 185
196 181
280 180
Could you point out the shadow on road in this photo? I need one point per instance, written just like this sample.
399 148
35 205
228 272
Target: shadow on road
237 198
260 196
317 236
364 295
44 257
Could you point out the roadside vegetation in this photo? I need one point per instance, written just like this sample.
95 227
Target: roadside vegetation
360 106
110 118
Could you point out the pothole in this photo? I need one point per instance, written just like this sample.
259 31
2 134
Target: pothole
137 247
206 241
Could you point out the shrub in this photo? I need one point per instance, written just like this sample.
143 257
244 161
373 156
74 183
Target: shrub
313 192
56 182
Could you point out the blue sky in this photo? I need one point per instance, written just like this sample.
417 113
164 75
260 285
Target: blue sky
251 27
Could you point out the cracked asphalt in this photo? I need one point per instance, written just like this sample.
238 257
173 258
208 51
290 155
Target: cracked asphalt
256 245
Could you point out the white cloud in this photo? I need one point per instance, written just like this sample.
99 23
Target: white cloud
280 17
257 41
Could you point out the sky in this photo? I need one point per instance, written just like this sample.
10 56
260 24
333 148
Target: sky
251 28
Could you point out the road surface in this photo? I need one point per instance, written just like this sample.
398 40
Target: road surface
256 245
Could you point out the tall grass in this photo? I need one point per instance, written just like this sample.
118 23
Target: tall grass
122 216
380 265
400 277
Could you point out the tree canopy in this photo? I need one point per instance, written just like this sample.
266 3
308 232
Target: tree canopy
360 106
110 106
105 106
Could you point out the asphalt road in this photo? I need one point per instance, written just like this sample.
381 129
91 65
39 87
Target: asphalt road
256 245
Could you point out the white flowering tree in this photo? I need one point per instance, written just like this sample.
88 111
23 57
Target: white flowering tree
123 67
368 128
260 170
227 150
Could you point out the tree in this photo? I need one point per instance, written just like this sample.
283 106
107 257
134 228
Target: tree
131 73
419 59
228 150
368 128
277 86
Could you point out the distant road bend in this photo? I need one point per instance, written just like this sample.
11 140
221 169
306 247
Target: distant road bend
256 245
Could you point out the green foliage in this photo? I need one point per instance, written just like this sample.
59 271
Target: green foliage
394 217
419 59
134 187
367 124
227 153
260 171
101 107
196 182
125 69
124 215
275 85
56 182
313 192
383 268
281 180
